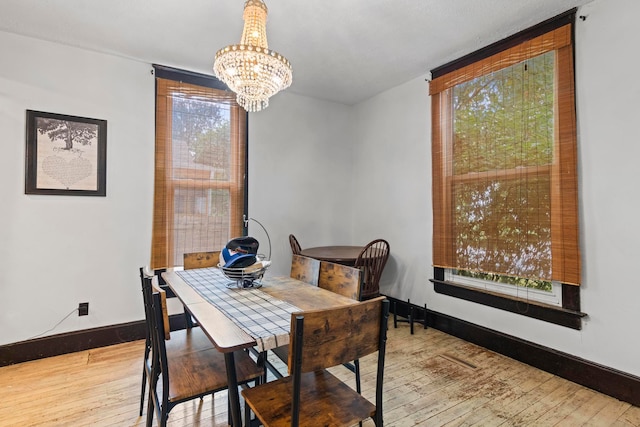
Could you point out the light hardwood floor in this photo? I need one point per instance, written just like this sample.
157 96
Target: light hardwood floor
431 379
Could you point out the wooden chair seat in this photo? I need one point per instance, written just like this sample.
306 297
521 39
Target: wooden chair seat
334 402
187 341
201 372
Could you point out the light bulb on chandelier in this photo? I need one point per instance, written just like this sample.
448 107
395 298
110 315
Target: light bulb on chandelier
250 69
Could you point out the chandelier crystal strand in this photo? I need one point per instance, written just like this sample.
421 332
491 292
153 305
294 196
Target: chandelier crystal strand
250 69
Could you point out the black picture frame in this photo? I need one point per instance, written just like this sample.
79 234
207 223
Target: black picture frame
65 155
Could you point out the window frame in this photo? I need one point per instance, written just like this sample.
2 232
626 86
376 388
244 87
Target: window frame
553 297
237 184
569 313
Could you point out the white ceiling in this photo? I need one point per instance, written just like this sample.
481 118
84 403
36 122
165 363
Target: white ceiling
341 50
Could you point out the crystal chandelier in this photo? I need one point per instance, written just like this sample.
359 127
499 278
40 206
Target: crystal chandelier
250 69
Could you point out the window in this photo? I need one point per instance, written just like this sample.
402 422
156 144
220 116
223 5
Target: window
200 176
504 165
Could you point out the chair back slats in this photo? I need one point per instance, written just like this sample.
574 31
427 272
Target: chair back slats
146 281
201 259
295 246
305 269
371 261
340 279
336 336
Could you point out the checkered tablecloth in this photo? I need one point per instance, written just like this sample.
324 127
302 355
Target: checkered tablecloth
265 318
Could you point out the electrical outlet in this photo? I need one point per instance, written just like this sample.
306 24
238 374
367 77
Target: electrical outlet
83 309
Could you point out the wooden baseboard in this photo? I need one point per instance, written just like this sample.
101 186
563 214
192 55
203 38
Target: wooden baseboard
618 384
55 345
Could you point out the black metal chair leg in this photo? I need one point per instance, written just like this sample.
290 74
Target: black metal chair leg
144 384
412 318
424 319
395 316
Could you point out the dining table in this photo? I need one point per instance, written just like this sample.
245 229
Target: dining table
235 318
345 255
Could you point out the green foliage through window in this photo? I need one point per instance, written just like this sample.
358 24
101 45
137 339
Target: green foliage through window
204 126
542 285
503 142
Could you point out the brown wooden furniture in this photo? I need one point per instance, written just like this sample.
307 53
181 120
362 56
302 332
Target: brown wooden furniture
295 246
345 255
188 368
341 279
182 340
371 261
305 269
311 396
201 259
228 336
197 338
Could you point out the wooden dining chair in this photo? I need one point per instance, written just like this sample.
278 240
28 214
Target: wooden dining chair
295 246
189 339
200 259
340 279
320 339
186 367
371 261
305 269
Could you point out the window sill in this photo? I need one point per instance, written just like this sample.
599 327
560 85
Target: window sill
548 313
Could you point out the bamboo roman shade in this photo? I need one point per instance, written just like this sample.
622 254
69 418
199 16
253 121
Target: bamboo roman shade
504 155
200 171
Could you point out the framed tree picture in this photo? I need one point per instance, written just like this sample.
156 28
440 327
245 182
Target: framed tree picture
66 155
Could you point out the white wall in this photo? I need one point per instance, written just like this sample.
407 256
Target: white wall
392 175
393 133
57 251
300 159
